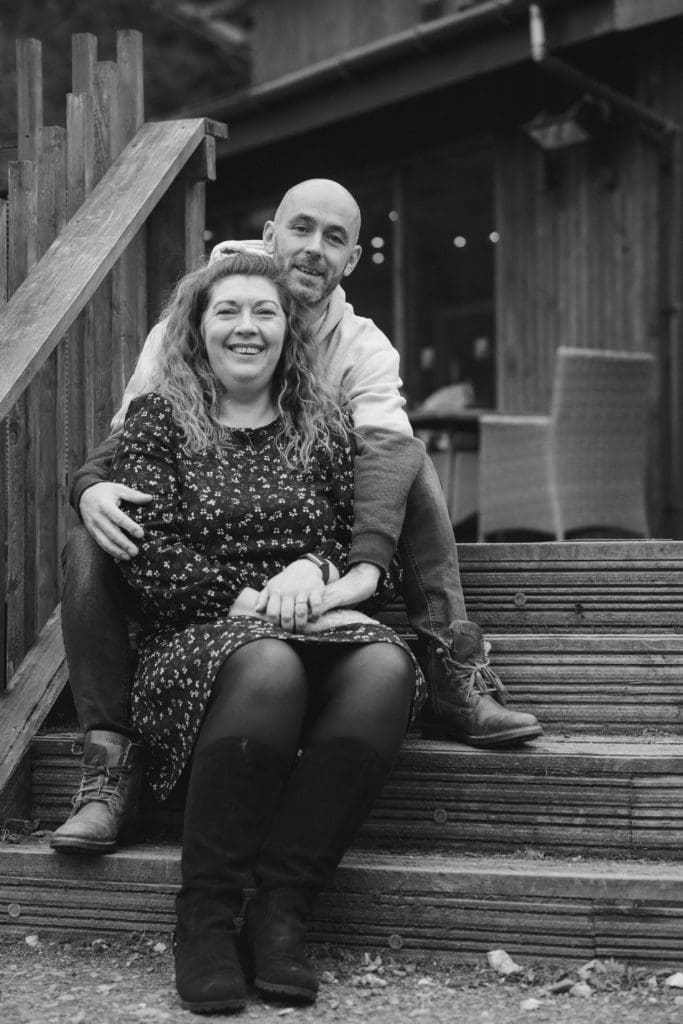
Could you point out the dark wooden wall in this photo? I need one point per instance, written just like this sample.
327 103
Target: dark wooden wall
293 34
590 245
577 260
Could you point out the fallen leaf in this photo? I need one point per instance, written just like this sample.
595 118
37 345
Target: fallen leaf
370 963
371 981
585 971
502 963
530 1004
563 985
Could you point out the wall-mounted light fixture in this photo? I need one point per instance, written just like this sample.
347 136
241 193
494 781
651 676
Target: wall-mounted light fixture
652 122
579 124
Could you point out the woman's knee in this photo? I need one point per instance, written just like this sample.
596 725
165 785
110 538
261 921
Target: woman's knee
384 675
390 662
266 670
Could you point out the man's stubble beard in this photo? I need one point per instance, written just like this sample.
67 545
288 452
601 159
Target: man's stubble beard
302 294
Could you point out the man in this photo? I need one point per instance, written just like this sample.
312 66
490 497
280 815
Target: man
313 240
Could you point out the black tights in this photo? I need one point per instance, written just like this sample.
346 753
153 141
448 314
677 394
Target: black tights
288 695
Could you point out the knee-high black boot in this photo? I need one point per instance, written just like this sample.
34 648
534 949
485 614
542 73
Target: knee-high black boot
328 795
232 794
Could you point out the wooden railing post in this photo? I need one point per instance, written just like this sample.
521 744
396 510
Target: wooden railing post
80 149
175 232
129 278
46 470
83 62
29 97
23 252
4 441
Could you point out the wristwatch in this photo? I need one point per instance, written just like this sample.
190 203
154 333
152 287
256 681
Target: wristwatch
322 564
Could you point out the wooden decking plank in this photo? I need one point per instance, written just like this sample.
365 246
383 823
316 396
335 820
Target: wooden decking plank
432 903
611 551
555 795
649 649
625 585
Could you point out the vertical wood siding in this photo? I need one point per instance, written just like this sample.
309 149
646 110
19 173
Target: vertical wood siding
577 259
588 236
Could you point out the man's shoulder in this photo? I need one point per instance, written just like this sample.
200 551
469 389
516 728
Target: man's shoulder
364 327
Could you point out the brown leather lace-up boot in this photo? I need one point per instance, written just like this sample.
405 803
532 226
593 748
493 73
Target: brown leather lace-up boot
467 697
107 799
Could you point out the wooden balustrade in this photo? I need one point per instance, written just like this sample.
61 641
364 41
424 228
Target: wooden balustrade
101 218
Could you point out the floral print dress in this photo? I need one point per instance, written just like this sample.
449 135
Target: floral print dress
221 521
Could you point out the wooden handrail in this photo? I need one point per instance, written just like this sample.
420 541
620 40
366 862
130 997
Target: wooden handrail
33 690
59 286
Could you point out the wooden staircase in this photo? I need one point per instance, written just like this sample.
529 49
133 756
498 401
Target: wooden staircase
568 847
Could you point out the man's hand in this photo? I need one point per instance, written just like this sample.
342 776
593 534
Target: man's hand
359 583
104 520
230 248
293 596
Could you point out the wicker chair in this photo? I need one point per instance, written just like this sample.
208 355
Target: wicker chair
583 467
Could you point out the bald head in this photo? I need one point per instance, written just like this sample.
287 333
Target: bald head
314 239
322 191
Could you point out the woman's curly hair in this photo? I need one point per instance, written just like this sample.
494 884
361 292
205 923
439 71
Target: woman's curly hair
309 410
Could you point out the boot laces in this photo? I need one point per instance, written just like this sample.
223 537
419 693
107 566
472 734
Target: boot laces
476 676
97 783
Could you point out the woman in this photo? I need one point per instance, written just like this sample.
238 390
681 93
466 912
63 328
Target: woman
250 460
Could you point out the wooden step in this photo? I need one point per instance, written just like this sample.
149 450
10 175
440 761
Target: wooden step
590 586
595 682
580 795
590 682
421 903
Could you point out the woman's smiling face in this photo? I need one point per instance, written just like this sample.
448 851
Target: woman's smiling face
244 328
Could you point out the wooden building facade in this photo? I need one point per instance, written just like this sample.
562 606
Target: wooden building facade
483 251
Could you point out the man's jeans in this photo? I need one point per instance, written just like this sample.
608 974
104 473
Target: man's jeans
95 632
95 627
429 558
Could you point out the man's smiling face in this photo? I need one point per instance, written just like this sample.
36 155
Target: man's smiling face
314 240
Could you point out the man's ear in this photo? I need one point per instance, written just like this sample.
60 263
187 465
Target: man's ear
356 254
269 236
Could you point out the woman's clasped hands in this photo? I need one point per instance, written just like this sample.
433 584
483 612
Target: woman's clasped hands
298 601
289 599
293 596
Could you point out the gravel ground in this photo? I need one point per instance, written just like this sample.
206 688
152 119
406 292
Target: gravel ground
129 980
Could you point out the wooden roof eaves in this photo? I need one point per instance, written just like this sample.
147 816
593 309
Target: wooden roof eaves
392 70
